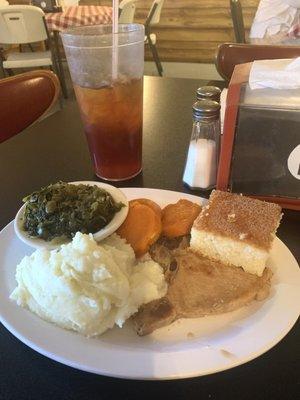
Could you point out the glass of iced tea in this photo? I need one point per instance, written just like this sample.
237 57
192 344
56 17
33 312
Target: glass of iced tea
107 74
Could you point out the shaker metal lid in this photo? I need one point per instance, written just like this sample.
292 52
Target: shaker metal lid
206 109
209 92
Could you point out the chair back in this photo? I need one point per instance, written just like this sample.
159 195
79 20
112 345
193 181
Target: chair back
24 98
46 5
238 21
153 17
68 3
21 24
230 54
127 11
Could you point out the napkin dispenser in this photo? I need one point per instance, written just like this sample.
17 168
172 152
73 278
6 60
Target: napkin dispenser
260 149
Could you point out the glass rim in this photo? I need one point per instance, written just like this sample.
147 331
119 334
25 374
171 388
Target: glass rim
76 30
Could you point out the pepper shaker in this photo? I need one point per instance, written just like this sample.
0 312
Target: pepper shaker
209 93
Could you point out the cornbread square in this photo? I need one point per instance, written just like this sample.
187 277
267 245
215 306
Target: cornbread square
236 230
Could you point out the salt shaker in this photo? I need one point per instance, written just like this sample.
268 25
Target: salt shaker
209 93
203 154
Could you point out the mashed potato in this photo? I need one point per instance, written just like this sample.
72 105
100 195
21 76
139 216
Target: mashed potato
85 286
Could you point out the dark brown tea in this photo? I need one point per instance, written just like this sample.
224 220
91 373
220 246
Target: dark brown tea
113 121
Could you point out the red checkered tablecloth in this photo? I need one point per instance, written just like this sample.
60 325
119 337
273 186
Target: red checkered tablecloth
79 15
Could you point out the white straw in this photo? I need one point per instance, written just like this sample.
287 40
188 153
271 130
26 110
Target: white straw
115 40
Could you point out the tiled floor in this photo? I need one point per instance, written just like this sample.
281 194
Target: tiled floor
174 70
179 70
171 69
184 70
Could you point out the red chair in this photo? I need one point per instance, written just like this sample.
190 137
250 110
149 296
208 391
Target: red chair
230 54
24 99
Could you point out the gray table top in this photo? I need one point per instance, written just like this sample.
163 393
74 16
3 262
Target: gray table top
55 149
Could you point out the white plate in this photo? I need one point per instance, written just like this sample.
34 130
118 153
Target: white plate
187 348
114 224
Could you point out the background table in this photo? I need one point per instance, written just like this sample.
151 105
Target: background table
78 15
56 149
71 17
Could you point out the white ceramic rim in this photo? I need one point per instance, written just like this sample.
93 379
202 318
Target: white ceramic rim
248 337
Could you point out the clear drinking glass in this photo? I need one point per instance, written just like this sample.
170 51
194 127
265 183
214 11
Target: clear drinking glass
110 97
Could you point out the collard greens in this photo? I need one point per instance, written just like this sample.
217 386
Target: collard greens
62 209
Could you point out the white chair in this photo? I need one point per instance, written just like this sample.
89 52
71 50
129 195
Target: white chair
48 6
26 25
126 11
150 38
64 4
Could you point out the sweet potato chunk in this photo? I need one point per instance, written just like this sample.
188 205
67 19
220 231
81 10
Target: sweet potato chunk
178 218
147 202
141 228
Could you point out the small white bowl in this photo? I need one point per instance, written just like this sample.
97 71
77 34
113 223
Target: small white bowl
114 224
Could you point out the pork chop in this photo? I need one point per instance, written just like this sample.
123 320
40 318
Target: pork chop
197 287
